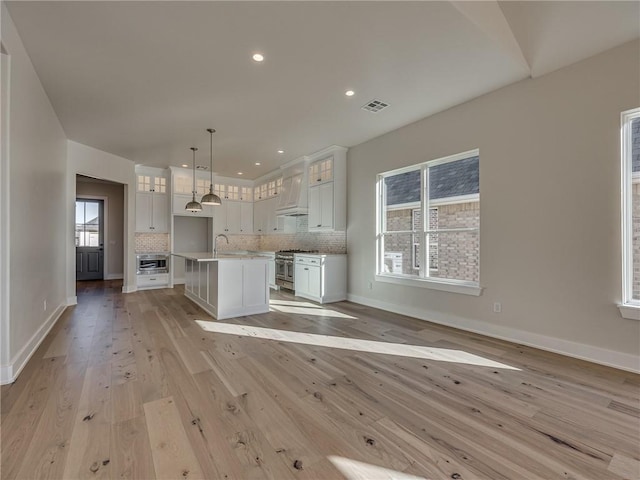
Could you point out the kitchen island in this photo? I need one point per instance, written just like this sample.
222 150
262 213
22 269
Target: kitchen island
227 286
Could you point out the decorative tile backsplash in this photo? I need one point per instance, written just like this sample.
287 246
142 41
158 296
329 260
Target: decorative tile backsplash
334 242
152 242
329 242
240 242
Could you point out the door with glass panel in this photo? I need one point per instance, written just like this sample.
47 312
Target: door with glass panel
89 239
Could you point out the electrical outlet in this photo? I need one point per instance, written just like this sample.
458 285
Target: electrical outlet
497 307
44 305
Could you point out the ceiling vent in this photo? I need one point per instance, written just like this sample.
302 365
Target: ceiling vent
202 167
374 106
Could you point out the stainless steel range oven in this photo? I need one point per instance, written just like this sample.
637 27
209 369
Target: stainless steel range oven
285 270
152 263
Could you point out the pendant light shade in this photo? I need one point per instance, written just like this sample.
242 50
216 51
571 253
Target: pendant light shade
211 198
193 206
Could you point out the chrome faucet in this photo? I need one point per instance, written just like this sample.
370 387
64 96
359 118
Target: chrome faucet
215 243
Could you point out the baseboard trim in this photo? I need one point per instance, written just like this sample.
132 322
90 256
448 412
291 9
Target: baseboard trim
129 288
178 281
601 356
72 301
9 373
114 276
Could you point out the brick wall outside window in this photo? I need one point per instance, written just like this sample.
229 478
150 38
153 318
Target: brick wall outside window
457 254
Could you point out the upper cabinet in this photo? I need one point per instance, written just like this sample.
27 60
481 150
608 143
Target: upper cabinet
267 196
151 182
152 201
233 216
321 171
268 189
182 188
328 190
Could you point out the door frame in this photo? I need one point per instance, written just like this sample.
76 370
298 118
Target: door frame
105 229
5 217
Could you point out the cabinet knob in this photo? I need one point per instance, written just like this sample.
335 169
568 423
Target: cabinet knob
319 225
306 268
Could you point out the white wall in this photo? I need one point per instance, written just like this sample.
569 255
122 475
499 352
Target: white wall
190 234
114 213
95 163
550 209
34 174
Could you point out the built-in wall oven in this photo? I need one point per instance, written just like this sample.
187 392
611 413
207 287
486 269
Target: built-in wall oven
152 263
285 269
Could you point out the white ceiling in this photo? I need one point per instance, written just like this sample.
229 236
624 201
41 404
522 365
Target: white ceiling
145 79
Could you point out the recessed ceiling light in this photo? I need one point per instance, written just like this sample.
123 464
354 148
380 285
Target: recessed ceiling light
185 165
258 57
240 173
258 164
349 93
280 151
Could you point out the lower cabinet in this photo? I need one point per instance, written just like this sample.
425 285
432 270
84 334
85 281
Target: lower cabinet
145 282
321 278
228 287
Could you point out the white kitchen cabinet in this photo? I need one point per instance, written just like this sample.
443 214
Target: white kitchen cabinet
233 217
321 278
260 217
152 212
152 201
321 207
150 181
321 171
246 218
267 221
146 282
182 182
328 190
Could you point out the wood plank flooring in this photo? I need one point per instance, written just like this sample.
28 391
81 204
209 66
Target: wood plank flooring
146 385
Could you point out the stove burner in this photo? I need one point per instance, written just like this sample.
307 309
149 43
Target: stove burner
297 251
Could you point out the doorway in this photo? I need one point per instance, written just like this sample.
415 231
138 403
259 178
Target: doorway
89 236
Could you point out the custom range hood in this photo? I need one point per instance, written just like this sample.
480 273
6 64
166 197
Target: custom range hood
293 198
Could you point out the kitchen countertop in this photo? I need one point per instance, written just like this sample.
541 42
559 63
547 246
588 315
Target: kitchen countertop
209 257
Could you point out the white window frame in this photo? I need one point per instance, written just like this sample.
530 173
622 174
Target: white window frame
629 308
423 280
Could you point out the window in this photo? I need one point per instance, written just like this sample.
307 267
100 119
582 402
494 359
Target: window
88 223
630 151
448 189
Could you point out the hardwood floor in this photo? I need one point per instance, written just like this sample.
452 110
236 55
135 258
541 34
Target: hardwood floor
145 385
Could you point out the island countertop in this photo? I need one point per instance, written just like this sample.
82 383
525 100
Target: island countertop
209 257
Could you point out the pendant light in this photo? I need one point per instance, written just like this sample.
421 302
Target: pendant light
193 206
211 198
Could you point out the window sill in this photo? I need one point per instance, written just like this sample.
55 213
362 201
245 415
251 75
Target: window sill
465 288
632 312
